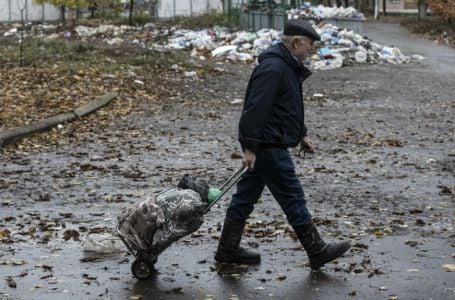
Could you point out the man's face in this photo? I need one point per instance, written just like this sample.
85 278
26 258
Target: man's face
303 47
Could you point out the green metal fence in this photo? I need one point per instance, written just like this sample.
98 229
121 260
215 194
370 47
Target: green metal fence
255 15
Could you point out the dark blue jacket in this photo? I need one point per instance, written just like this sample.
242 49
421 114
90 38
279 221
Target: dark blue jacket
273 112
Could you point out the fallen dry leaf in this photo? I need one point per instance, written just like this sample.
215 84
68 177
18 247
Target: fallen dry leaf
5 233
11 282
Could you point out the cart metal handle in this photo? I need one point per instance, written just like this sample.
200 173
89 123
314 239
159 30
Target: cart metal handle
226 186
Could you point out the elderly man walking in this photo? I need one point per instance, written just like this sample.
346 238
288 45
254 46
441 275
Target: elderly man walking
272 120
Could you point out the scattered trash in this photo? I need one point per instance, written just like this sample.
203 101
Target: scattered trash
237 101
325 53
412 270
115 41
449 267
190 74
417 57
324 12
223 50
361 56
339 46
10 32
85 31
102 243
13 262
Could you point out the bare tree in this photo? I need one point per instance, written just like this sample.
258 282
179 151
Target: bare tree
22 29
152 8
422 8
130 16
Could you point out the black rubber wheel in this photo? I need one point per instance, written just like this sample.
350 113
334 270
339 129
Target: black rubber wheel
143 267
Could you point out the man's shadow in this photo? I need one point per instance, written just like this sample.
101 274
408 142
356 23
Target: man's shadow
315 283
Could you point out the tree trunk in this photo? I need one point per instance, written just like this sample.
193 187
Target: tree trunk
376 9
152 9
384 7
130 17
422 7
62 12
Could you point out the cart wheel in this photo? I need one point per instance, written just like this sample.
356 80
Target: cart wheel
142 268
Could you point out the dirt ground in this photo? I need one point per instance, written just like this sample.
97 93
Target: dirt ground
382 178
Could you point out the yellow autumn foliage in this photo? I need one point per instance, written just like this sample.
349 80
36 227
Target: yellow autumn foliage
75 3
444 8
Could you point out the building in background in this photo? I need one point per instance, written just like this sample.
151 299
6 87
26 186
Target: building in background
399 6
170 8
10 11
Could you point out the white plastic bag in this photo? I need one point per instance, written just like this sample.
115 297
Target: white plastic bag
102 243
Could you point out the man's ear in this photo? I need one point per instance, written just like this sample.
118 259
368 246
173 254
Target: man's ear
295 43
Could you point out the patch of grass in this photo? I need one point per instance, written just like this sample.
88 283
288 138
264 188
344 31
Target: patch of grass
137 19
207 20
36 49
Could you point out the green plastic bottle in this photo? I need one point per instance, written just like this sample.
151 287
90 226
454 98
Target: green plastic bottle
213 193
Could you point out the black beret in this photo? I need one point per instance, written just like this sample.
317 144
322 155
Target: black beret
300 27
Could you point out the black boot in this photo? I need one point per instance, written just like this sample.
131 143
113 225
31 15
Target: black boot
228 248
317 250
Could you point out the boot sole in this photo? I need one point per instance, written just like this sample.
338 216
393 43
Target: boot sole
336 255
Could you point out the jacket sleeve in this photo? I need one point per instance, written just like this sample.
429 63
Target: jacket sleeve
259 100
304 130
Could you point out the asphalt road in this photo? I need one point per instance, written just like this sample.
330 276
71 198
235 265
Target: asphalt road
383 178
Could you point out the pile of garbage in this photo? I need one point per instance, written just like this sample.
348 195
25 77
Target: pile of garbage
343 47
323 12
219 43
339 47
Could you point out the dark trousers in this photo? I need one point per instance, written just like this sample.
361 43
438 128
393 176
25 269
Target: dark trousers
275 169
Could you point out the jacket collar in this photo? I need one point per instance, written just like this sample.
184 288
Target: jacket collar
279 50
294 62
